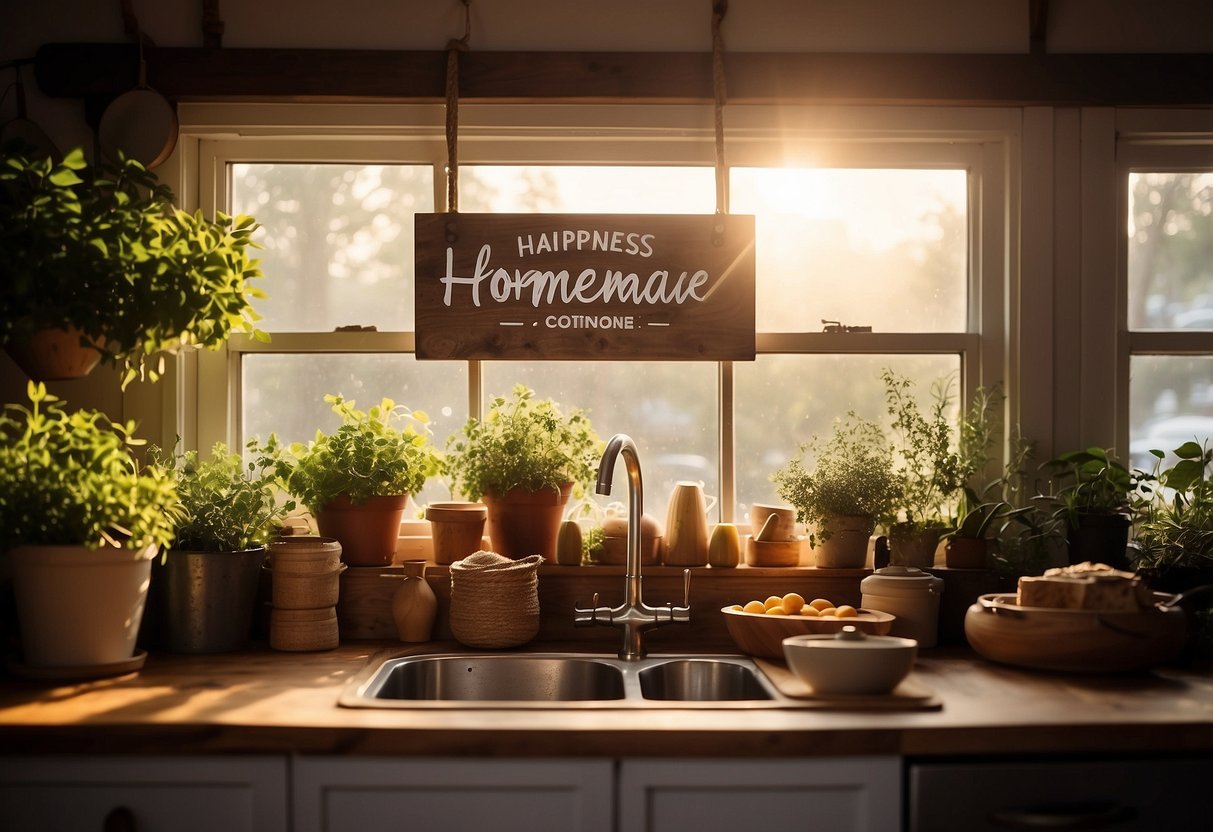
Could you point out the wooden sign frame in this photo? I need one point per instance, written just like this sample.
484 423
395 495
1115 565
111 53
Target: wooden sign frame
585 286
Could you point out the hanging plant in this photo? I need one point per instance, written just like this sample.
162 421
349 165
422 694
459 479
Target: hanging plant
103 253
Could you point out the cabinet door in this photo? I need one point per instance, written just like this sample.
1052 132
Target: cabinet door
841 795
161 794
1169 795
340 794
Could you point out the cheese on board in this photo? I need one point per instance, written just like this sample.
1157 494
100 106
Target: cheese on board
1085 586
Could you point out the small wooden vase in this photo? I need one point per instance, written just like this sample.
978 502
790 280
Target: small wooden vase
414 606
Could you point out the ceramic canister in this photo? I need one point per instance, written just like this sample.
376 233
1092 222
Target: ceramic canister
910 594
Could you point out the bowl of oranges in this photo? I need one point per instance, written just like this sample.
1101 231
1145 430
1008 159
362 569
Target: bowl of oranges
759 627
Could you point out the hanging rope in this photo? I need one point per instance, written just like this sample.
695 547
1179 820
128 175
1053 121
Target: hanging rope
719 9
453 48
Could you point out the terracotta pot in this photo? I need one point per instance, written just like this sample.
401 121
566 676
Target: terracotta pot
79 607
910 546
847 546
54 355
523 523
966 552
366 531
457 529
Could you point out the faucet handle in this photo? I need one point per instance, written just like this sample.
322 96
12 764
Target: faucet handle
587 617
682 615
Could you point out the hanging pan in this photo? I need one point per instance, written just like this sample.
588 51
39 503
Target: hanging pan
141 123
23 132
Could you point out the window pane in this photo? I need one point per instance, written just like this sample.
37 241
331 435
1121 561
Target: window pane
783 400
337 241
669 409
1170 251
1170 402
613 189
284 394
885 248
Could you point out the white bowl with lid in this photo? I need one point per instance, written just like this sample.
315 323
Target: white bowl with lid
850 661
910 594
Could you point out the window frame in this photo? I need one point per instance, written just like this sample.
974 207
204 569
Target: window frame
1150 141
983 141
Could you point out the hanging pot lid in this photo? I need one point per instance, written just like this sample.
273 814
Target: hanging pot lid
141 123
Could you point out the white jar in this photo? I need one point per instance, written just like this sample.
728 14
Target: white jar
910 594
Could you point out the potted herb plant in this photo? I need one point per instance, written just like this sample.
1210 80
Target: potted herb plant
1095 499
80 523
357 479
848 490
98 264
1173 541
928 469
205 589
523 461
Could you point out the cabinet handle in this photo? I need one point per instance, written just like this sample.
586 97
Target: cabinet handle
119 819
1101 815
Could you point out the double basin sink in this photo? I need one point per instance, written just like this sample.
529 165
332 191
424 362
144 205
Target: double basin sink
560 680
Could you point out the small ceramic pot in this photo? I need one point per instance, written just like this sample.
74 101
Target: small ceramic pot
850 662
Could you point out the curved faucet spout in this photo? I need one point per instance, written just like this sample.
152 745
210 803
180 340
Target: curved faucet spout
633 614
621 443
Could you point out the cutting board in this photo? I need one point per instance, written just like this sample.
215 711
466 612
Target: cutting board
908 696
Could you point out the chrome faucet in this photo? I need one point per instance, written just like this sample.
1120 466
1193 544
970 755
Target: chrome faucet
633 615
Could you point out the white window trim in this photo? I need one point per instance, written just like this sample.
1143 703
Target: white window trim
984 141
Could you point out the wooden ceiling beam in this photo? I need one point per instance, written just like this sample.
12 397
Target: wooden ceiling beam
105 70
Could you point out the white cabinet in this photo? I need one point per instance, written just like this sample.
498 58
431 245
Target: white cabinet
346 794
160 794
844 794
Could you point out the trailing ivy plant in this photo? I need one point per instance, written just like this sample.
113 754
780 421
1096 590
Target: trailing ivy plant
851 474
71 479
105 251
522 442
229 505
383 451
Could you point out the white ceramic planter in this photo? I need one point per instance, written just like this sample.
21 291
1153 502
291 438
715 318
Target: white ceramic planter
79 607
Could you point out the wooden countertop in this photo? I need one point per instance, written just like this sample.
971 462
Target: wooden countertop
262 701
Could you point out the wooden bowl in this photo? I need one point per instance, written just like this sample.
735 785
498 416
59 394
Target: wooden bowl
763 635
1080 641
772 552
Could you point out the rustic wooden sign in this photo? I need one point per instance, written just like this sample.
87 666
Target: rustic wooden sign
585 286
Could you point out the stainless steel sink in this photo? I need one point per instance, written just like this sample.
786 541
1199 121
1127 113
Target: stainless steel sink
560 680
500 678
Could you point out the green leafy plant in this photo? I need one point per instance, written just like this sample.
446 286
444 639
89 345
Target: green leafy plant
1092 481
1176 512
71 479
934 456
104 250
383 451
229 505
522 442
851 475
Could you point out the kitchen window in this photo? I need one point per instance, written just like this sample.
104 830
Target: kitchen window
1166 185
895 223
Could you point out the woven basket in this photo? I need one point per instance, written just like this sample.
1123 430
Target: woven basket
495 600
